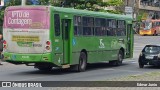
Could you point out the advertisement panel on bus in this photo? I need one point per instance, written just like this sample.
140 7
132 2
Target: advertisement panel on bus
26 30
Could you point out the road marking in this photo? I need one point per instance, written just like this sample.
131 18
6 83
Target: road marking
134 62
4 62
108 69
121 70
125 60
131 61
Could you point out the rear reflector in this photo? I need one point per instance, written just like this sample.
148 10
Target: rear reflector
4 46
4 42
48 43
47 48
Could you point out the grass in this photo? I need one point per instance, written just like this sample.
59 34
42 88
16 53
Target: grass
151 76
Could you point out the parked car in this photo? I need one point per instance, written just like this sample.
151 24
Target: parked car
150 55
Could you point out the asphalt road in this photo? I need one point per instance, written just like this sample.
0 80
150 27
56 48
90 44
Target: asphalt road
95 72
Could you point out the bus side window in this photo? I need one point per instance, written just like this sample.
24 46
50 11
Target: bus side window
112 27
57 24
100 27
88 26
154 24
77 25
121 30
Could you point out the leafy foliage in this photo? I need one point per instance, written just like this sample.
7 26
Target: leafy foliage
93 5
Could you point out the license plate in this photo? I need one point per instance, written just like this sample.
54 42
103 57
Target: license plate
149 57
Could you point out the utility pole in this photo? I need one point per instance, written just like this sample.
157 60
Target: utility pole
23 2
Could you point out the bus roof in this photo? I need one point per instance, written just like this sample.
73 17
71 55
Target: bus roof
75 11
156 20
90 13
25 7
151 20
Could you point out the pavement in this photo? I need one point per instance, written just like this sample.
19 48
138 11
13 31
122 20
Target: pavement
152 76
149 76
9 67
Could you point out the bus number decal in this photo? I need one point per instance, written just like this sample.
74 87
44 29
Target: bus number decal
101 44
37 45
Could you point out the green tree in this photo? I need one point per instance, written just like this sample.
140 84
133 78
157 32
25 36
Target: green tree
11 3
44 2
93 5
1 19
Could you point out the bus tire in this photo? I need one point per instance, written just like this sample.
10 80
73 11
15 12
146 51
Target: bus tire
155 34
140 61
141 65
119 60
82 62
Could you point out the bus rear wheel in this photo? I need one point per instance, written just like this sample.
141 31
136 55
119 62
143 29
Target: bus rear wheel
82 62
118 61
155 33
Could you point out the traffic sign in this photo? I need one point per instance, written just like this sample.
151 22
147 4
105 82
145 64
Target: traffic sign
128 9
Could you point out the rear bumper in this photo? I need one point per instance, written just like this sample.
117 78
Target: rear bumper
27 58
145 32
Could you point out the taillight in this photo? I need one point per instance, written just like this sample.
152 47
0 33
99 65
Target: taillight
48 42
4 44
48 46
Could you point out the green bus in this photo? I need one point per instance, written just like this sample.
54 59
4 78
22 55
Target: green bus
47 36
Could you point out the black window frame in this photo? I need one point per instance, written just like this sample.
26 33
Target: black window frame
57 29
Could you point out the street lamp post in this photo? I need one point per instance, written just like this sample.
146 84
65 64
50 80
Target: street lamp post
23 2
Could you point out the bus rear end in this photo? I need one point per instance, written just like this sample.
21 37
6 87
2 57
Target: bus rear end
26 35
147 28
